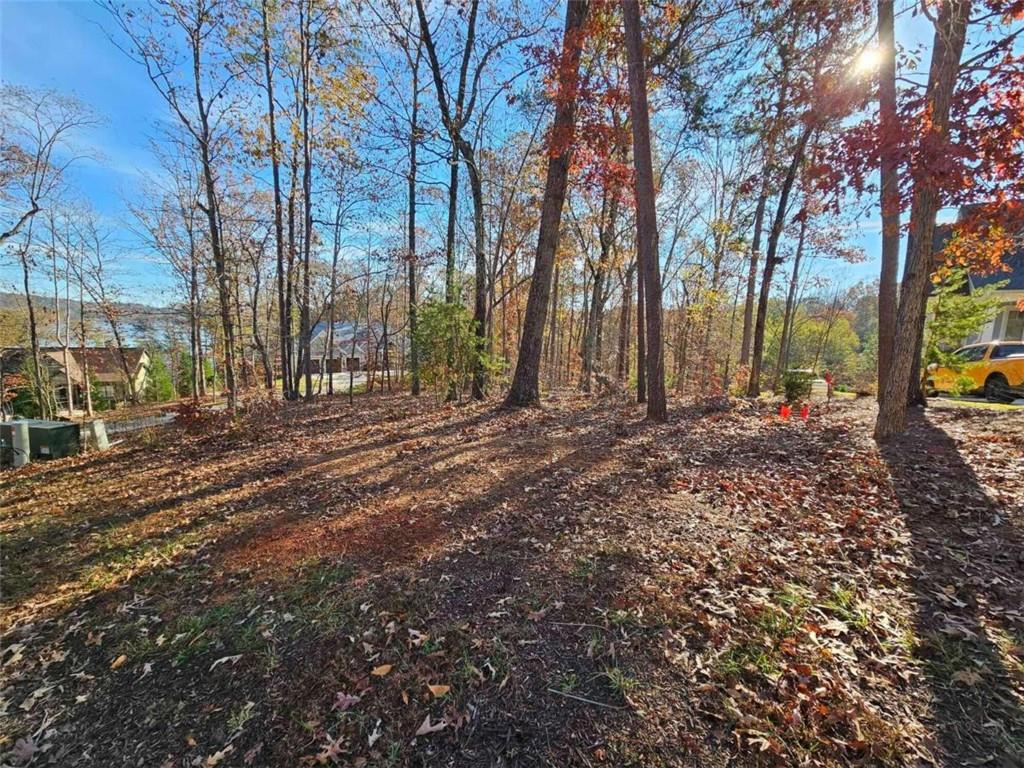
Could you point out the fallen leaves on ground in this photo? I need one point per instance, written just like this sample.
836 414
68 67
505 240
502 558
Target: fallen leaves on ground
562 586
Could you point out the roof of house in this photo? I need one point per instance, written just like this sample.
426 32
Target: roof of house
1013 275
346 330
104 362
1014 262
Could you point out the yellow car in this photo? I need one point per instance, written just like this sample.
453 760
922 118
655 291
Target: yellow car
996 369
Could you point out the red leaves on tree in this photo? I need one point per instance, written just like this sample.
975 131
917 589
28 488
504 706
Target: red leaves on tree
979 166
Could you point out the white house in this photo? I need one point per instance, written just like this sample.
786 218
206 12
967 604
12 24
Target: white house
361 346
1008 323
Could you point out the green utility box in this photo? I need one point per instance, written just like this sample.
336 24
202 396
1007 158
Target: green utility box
47 439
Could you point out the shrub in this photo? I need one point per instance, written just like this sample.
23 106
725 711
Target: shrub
738 381
159 386
962 385
448 348
797 385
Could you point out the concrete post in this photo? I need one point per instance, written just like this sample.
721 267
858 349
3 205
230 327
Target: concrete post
96 435
20 444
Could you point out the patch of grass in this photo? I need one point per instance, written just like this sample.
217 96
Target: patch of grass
468 671
223 625
620 618
321 576
944 655
499 663
270 659
619 681
844 604
138 646
394 753
583 569
1011 648
794 597
241 716
747 658
596 645
567 682
777 624
908 642
431 645
984 405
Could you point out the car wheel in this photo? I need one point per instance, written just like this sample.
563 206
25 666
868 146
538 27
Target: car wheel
997 389
930 390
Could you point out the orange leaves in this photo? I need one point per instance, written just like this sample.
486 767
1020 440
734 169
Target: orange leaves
983 239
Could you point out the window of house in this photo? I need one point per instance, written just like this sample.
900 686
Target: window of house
1014 325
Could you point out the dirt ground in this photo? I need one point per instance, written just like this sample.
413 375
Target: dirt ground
402 583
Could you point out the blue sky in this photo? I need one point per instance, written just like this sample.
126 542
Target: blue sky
64 45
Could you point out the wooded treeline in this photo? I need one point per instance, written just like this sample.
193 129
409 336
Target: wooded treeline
509 197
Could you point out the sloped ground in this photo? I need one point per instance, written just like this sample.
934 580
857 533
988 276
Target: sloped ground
408 584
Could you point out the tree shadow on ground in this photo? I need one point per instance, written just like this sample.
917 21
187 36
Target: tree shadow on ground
294 666
969 563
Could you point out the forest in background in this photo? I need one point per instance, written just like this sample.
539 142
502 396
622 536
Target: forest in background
515 201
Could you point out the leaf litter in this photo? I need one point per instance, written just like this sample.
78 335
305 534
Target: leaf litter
566 585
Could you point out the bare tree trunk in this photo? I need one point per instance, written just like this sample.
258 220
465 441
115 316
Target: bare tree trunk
646 214
890 202
305 331
85 357
680 349
294 365
552 332
787 315
246 383
831 316
755 249
950 34
67 337
257 337
641 336
450 294
284 319
569 330
33 329
67 319
592 340
625 313
729 344
525 388
414 349
212 211
772 260
197 375
480 274
771 143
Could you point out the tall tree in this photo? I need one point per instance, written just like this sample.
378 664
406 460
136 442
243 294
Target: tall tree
950 36
525 389
36 128
194 103
456 115
414 139
646 211
283 290
305 323
890 203
772 258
